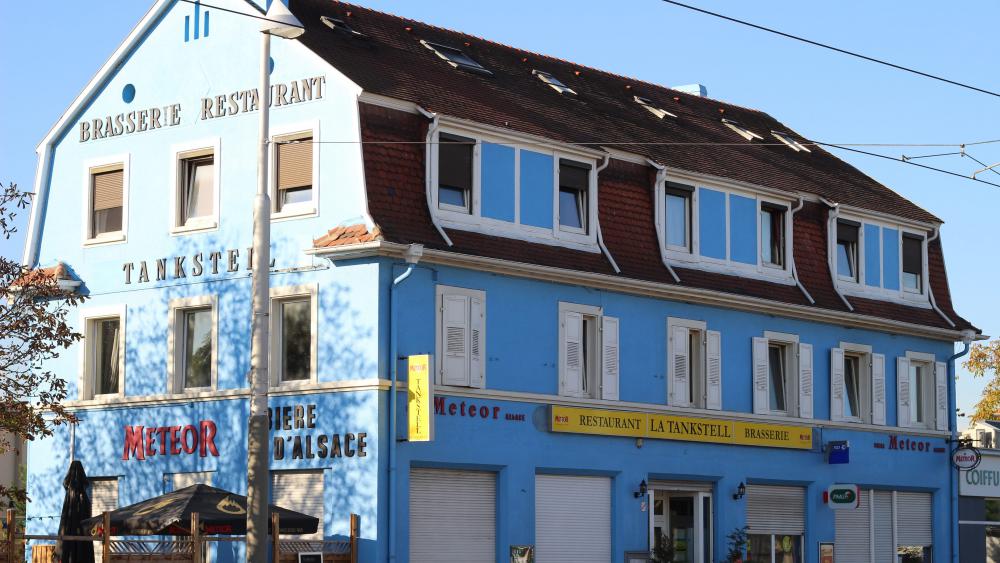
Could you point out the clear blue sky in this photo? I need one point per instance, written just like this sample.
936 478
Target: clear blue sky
49 50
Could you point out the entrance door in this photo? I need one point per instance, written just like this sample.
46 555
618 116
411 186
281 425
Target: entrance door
685 518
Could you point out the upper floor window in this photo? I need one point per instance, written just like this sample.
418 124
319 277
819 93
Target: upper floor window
196 190
857 384
772 234
294 181
847 249
192 343
695 364
588 352
105 200
461 336
921 391
293 334
677 204
501 187
782 376
103 352
913 262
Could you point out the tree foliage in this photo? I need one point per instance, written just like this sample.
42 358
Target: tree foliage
33 330
985 359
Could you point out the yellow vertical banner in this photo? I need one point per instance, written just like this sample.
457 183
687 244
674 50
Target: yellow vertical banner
420 398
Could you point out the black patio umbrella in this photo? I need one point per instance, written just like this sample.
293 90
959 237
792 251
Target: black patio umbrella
75 509
219 512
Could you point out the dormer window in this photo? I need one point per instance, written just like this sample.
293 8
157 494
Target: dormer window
455 173
574 188
648 104
553 82
456 58
339 26
792 143
743 131
913 263
847 250
772 234
678 216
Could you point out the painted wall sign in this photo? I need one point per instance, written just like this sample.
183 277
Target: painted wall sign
179 267
420 396
443 407
966 458
840 497
308 445
143 443
905 443
983 480
669 427
231 103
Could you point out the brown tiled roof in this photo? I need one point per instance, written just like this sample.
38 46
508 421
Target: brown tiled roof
392 62
57 272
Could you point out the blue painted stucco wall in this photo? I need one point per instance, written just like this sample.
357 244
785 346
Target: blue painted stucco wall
536 189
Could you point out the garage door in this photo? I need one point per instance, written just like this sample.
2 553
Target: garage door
572 519
301 491
452 516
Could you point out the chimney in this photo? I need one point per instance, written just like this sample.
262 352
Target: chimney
694 89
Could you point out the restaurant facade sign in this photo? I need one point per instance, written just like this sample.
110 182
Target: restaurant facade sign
669 427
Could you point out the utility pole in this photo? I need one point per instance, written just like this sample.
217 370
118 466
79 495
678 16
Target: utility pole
279 21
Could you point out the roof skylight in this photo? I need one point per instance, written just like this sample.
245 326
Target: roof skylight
456 57
553 82
341 26
648 104
743 131
792 142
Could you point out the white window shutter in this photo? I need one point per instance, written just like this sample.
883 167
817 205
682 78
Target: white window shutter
609 358
680 353
878 389
941 395
805 380
713 370
836 384
902 392
571 377
455 352
477 340
760 384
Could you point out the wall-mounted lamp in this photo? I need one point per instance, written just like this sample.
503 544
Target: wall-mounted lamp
740 491
642 490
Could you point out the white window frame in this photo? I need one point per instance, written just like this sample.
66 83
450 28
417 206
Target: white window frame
790 342
179 153
471 218
88 356
594 359
860 288
280 295
864 353
176 344
693 259
860 254
929 362
286 132
701 385
96 166
440 291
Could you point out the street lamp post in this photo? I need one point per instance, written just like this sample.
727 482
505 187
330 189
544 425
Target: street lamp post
278 21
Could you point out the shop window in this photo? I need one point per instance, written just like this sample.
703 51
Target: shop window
588 352
455 156
913 263
776 523
677 203
461 341
293 334
192 343
574 199
922 392
857 384
772 234
695 364
782 376
847 250
294 166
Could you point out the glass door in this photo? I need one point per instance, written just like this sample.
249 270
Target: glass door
684 519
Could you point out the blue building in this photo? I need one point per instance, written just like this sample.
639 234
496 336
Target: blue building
651 316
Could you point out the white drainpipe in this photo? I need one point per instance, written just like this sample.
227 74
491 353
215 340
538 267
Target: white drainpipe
429 171
791 254
661 174
597 220
930 291
831 247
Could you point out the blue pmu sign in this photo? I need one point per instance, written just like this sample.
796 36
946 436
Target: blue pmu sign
839 452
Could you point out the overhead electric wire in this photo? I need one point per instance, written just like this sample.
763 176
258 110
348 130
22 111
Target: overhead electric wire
994 170
894 159
836 49
237 12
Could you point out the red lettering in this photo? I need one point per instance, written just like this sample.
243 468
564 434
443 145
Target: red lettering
484 412
496 412
452 408
150 450
893 443
463 408
189 447
439 405
175 440
162 431
208 438
133 443
472 410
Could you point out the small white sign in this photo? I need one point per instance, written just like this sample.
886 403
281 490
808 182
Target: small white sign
983 481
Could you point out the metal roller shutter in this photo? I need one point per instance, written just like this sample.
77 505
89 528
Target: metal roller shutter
179 481
773 509
103 498
452 516
885 548
572 519
913 519
852 532
301 491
